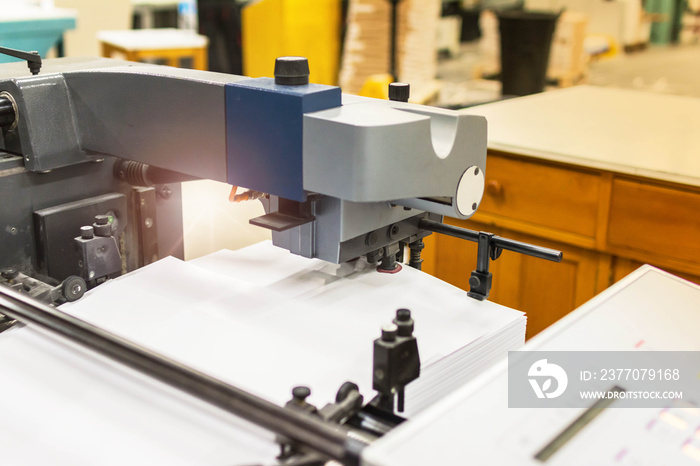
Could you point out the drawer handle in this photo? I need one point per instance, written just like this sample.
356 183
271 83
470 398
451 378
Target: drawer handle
494 188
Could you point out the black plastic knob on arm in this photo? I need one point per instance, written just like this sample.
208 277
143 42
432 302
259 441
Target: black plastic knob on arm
291 71
399 92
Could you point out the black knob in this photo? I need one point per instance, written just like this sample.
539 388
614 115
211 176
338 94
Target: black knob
101 227
399 92
404 322
9 274
87 232
301 393
403 315
291 71
389 333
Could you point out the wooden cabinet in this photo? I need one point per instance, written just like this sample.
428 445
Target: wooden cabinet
606 224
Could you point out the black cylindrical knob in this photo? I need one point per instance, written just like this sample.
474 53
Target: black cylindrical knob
87 232
399 92
291 71
9 273
389 332
7 112
102 226
404 322
301 393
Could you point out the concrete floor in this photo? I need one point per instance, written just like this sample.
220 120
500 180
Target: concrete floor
663 69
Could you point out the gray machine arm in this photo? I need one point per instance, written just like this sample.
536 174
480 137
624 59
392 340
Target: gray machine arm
346 176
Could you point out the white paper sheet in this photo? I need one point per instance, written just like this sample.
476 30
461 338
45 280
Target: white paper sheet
267 320
259 318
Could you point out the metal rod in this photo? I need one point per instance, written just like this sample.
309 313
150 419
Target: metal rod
394 29
503 243
439 227
329 440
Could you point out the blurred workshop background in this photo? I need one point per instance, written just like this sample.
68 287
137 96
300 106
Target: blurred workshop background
455 54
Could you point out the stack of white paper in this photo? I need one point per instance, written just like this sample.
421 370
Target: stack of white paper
264 320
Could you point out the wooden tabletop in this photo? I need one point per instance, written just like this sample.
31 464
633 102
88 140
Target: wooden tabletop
632 132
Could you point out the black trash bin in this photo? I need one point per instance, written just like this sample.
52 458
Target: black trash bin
526 37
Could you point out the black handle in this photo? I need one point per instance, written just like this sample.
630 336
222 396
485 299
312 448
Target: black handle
490 247
33 58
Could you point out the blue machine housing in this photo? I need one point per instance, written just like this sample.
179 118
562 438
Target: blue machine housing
265 130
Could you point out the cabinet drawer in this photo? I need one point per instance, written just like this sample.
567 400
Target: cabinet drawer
658 220
542 195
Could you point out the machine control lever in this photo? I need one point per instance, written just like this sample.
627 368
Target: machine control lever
33 58
490 247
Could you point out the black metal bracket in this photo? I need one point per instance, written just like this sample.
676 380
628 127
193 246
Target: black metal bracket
396 362
33 58
490 247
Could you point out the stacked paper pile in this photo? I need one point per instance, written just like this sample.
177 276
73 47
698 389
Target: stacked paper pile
264 320
449 373
368 36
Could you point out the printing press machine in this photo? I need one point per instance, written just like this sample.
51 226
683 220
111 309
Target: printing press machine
93 153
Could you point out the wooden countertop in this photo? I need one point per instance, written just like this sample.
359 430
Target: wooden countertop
625 131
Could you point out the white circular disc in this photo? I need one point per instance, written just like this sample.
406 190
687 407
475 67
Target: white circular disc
470 190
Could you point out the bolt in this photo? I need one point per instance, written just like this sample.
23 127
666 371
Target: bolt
474 206
393 232
403 315
476 171
371 239
474 282
165 192
148 222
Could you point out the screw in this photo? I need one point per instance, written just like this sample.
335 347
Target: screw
371 239
393 232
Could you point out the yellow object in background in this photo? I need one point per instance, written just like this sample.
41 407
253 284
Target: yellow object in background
307 28
377 86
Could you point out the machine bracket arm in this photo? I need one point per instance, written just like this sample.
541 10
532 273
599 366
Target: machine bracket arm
490 247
